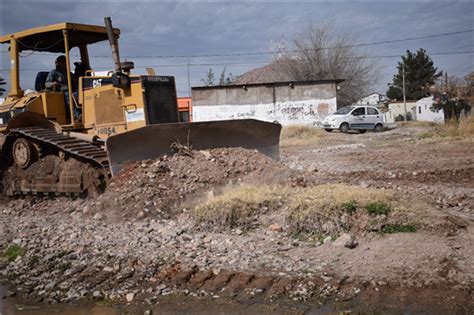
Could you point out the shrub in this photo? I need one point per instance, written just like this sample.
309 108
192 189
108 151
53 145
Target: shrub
399 228
13 251
350 206
376 208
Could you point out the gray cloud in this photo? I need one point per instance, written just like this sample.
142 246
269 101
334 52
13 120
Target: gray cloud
197 27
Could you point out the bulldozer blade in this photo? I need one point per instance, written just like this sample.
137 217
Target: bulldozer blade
155 140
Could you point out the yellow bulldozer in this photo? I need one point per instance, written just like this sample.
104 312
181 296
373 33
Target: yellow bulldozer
72 141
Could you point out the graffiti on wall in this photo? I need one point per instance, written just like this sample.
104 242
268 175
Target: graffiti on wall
308 112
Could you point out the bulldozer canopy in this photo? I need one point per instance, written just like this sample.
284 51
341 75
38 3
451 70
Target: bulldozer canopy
50 38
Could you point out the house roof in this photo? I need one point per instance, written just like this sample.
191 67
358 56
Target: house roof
280 83
49 38
265 74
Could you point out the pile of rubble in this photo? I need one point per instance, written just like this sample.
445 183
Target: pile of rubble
162 187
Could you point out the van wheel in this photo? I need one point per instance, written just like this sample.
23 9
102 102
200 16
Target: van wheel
328 130
362 130
378 128
344 128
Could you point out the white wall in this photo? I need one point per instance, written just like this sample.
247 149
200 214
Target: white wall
307 112
372 99
424 112
395 109
289 104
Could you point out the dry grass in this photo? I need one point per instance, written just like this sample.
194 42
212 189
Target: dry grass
317 210
239 207
325 209
300 135
462 129
415 123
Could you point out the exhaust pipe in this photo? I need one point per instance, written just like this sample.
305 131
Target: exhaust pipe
119 79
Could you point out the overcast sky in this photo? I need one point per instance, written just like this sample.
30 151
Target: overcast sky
190 28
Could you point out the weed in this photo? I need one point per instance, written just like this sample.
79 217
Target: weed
350 206
12 276
33 260
399 228
376 208
64 266
160 261
425 135
61 254
13 251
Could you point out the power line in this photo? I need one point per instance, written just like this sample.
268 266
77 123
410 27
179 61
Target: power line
289 51
258 62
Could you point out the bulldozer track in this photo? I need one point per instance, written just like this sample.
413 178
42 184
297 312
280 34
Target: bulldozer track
71 180
77 148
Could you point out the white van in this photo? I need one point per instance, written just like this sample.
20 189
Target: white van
360 118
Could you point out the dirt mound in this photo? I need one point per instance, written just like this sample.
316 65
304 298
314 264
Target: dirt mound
164 186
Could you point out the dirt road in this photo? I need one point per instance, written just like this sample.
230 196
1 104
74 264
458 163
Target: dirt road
360 219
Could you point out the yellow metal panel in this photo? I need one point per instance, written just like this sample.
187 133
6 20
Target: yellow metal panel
134 100
54 107
56 27
108 108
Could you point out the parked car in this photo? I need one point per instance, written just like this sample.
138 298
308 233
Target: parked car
360 118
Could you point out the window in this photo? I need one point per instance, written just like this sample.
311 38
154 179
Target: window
344 110
184 116
359 111
372 111
419 109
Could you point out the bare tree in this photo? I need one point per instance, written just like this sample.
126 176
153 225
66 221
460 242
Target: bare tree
322 53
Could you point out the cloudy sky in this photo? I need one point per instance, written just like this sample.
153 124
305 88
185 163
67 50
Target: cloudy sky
184 31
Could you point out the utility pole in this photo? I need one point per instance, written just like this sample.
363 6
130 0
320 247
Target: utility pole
404 94
446 82
189 81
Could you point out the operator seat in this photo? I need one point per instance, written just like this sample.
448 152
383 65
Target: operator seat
40 81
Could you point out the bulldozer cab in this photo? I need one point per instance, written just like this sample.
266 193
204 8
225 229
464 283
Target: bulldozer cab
101 104
56 39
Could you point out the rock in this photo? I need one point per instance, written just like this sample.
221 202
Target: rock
275 227
238 231
129 297
345 240
206 154
327 239
86 209
108 269
98 216
326 279
97 294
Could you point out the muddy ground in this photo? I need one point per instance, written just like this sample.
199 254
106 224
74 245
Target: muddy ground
161 230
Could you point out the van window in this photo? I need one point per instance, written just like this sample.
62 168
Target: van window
372 111
359 111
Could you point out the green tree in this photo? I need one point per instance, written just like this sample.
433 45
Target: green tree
2 82
420 74
222 77
209 79
452 107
